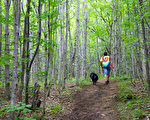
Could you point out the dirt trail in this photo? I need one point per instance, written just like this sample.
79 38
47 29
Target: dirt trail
94 103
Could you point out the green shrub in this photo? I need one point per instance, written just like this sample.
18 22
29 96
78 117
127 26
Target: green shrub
55 109
20 108
131 105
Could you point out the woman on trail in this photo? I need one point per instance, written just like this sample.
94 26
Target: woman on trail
106 64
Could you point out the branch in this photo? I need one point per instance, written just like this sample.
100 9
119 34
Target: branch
36 51
97 35
105 20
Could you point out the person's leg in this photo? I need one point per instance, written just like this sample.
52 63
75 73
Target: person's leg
107 74
105 77
107 80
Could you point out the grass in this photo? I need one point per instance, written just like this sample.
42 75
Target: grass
81 81
133 102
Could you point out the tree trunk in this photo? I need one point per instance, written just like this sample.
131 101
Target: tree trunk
29 63
77 42
7 72
26 47
0 36
71 50
16 16
46 65
65 47
84 41
36 79
60 67
145 46
49 46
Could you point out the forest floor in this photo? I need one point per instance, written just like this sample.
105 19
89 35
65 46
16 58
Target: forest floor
92 102
87 102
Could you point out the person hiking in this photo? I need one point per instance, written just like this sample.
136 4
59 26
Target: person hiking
106 64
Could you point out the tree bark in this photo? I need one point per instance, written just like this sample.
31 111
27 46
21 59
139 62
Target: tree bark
7 69
60 67
16 16
65 47
29 63
145 46
84 41
46 66
0 36
77 42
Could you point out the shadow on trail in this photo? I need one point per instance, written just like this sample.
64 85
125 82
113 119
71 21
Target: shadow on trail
94 102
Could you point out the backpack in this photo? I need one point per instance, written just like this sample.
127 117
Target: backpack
106 61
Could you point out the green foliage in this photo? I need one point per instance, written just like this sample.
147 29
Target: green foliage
81 81
20 109
55 109
132 105
128 92
38 117
84 81
4 59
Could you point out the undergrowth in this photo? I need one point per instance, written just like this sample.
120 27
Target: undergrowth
133 101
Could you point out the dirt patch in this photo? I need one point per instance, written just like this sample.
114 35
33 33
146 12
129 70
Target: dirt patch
94 102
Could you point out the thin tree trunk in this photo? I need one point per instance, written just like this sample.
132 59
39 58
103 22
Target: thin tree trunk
60 53
70 49
0 36
84 41
16 16
65 47
7 72
37 61
49 47
77 42
29 63
26 47
46 66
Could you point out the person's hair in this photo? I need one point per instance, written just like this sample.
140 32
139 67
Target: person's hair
105 53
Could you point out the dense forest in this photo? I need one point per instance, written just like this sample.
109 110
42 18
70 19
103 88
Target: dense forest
45 44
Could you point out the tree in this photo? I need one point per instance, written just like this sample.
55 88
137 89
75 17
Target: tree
84 41
60 67
0 36
16 16
7 51
77 41
145 46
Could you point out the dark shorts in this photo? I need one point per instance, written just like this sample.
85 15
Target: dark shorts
107 70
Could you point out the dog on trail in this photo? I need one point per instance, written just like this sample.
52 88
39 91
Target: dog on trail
94 78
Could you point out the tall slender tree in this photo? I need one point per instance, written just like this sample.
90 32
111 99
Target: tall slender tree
84 41
46 63
60 67
7 51
30 62
77 41
16 16
0 36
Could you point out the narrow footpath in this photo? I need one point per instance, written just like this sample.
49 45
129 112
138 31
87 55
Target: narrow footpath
94 102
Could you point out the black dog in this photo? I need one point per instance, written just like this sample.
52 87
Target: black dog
94 78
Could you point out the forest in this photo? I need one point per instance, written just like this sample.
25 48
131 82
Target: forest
48 48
